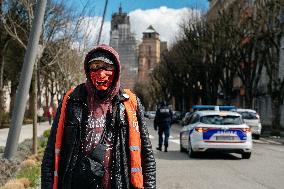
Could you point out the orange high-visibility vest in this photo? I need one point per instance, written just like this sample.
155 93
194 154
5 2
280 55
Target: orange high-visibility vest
134 140
136 176
58 140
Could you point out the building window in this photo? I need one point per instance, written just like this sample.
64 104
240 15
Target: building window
149 50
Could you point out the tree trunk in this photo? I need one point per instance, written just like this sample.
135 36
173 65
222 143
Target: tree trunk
2 66
39 88
248 99
1 85
34 112
12 97
275 106
46 94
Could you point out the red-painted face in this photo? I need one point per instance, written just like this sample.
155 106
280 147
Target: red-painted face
102 74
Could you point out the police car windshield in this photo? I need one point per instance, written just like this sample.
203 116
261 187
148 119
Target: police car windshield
248 115
221 120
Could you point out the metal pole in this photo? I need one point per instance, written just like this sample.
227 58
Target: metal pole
25 81
103 19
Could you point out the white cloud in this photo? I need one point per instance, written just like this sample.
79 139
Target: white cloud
90 29
165 20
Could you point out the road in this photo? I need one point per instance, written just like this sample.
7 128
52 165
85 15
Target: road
175 170
26 132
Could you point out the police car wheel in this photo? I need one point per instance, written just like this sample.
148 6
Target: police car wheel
181 148
257 137
246 155
190 151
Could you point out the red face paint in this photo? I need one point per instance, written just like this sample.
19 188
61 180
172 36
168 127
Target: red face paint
102 79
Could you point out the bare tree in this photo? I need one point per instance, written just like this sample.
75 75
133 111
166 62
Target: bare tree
272 31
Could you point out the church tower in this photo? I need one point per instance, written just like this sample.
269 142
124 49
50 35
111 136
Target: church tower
149 53
123 41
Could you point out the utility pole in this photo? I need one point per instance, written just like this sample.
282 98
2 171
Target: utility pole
103 19
25 81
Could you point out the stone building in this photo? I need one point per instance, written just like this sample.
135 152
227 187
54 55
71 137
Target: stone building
149 53
123 41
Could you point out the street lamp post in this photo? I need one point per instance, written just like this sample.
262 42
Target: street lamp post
25 81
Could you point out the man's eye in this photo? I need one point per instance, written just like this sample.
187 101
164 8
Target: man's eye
109 68
104 67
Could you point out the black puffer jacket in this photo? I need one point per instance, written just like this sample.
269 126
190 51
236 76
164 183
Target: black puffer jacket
76 120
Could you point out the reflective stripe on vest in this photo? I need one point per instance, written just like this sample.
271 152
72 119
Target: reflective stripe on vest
136 176
134 148
58 139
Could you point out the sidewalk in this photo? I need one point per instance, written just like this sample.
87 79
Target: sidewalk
26 132
266 135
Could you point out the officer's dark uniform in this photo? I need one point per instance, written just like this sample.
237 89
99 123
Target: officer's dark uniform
163 121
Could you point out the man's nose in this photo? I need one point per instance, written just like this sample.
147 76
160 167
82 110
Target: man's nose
101 73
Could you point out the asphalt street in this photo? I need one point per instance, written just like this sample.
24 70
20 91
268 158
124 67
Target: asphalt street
175 170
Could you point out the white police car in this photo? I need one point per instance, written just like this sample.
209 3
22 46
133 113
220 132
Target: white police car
214 130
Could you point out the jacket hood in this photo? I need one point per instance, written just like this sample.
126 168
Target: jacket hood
102 48
113 90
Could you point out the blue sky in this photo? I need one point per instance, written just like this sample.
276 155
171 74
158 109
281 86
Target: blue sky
130 5
164 15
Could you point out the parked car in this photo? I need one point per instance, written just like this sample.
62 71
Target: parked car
150 114
177 116
213 130
252 119
185 119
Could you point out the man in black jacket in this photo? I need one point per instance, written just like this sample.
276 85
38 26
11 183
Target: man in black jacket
95 150
162 121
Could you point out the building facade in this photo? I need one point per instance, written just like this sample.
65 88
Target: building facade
149 53
123 41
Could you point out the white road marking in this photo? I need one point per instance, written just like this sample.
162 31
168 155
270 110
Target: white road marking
170 139
152 137
175 141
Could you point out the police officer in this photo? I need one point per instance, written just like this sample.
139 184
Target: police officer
162 122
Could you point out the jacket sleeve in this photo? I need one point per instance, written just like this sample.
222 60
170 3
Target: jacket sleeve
148 160
47 166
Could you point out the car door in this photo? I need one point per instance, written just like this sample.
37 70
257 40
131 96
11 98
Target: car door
194 119
184 133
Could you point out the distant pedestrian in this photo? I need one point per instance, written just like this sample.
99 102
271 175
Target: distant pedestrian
50 114
40 113
162 123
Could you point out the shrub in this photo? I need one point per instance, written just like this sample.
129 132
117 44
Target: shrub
31 173
14 184
46 133
28 163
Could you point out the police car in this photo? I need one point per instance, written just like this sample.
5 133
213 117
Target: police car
214 130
